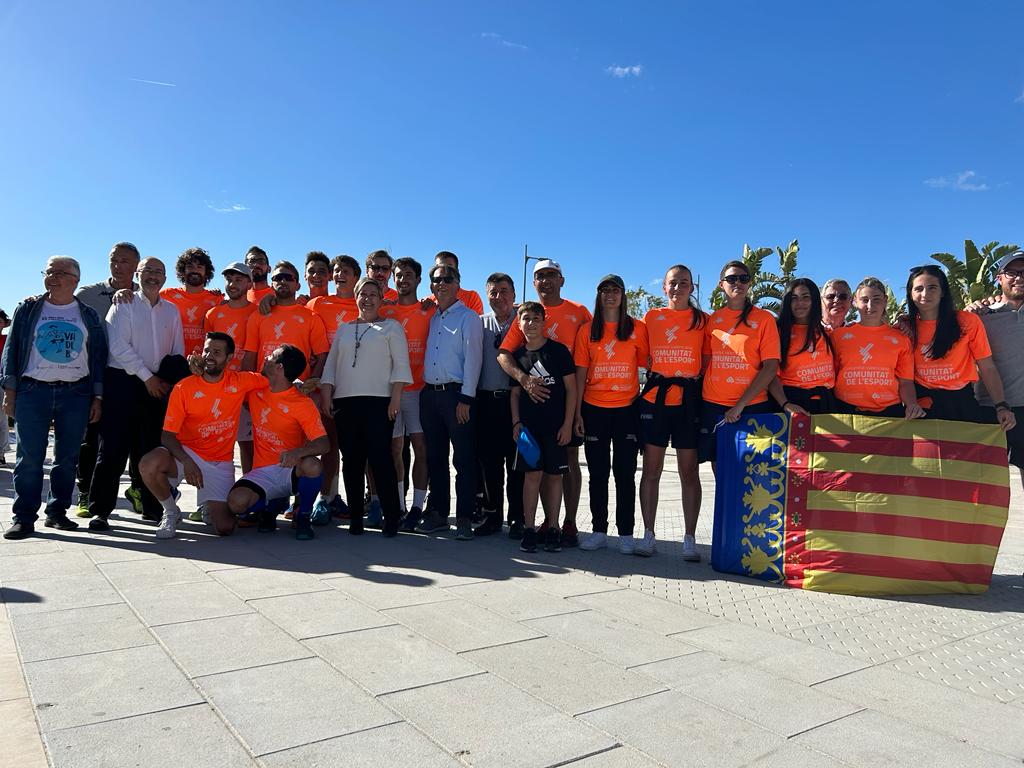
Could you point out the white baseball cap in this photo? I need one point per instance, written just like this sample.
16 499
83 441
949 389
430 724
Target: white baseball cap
547 264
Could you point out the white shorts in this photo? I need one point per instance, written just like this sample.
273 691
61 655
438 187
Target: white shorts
244 427
407 422
274 481
218 477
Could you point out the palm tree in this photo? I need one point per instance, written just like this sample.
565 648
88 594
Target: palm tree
639 300
971 278
766 288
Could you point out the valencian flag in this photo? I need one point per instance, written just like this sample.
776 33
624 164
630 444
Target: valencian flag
860 505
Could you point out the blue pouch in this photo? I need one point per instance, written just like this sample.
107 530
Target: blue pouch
528 447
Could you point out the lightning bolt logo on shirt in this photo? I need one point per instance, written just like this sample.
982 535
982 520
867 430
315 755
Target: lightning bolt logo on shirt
231 329
553 331
609 348
264 413
279 330
215 408
670 334
190 313
865 352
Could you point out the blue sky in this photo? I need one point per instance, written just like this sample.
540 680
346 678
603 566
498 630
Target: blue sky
617 137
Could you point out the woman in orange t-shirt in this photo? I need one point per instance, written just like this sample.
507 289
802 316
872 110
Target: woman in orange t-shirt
807 373
610 350
741 357
951 350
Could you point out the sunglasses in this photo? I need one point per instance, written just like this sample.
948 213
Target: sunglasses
283 278
733 279
837 296
442 279
1013 273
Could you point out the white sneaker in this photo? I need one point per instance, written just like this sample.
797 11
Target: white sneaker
627 545
594 541
168 525
646 546
690 553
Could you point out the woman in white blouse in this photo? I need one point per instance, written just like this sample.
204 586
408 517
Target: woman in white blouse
361 387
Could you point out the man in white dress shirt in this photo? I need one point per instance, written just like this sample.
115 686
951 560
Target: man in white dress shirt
141 334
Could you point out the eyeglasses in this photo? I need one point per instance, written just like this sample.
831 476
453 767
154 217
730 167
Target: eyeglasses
1013 273
378 268
837 297
733 279
606 289
283 278
447 279
57 273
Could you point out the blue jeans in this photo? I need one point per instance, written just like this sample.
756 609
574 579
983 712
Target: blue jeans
39 404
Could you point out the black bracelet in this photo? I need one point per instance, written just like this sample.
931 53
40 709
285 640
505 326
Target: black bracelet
1003 404
784 406
516 424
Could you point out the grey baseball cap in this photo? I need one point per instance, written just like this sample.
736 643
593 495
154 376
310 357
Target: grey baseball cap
239 267
1004 262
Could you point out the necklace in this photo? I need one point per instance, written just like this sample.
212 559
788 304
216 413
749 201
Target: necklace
359 340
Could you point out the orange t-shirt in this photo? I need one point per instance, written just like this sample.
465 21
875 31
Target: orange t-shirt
204 415
809 368
868 363
613 366
255 294
416 324
675 348
737 351
292 324
281 421
561 324
958 367
232 321
333 311
193 308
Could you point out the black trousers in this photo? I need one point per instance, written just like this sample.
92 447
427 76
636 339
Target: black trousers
364 437
87 453
131 425
611 445
496 453
443 432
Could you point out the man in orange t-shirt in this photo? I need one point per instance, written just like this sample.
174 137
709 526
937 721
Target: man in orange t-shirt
378 267
256 260
199 437
195 271
289 435
339 307
562 321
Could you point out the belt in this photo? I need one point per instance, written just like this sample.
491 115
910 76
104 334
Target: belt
495 393
691 394
443 387
55 383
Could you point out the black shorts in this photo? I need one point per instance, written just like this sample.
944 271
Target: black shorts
657 428
554 458
710 415
953 405
897 411
1014 438
814 401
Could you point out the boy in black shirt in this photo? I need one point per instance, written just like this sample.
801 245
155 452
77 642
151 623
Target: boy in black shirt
549 422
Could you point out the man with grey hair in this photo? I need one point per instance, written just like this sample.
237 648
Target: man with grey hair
52 373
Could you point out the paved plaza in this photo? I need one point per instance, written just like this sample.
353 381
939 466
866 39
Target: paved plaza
260 650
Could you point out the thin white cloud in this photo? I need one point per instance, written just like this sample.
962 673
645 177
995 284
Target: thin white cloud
226 207
1019 99
634 70
495 37
153 82
965 181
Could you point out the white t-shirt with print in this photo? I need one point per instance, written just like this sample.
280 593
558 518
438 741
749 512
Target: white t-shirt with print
59 350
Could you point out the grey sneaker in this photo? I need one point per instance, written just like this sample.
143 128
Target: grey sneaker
432 521
464 531
690 553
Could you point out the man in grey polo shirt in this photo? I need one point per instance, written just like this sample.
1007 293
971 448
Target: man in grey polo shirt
496 451
1004 324
124 260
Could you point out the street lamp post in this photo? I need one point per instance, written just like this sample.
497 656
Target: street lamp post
527 258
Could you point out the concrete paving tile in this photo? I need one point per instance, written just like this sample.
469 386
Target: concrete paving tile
462 716
438 571
613 639
44 566
461 626
871 739
967 718
412 660
12 681
645 611
139 574
57 594
224 555
788 611
110 551
252 583
79 690
77 631
386 747
572 584
199 647
565 677
185 602
28 547
872 638
293 703
23 747
619 757
319 613
513 600
192 736
777 654
794 756
679 730
389 591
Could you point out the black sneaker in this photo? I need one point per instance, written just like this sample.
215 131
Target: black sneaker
570 536
19 531
515 530
529 542
268 522
61 523
412 519
553 540
492 524
99 524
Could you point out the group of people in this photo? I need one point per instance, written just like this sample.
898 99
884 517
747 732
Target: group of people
399 387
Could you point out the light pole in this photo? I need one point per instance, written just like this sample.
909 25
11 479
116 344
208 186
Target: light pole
527 258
